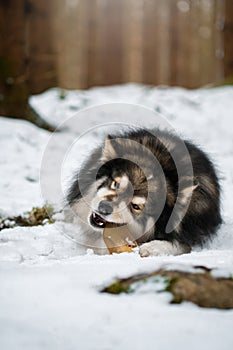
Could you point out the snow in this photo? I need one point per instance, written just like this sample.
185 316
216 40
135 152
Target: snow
49 294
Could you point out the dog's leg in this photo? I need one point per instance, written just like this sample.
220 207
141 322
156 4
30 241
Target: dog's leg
156 248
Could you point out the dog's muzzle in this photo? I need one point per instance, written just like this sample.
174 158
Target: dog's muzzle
105 208
97 220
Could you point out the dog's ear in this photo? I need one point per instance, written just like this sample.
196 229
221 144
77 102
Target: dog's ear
187 192
109 151
180 207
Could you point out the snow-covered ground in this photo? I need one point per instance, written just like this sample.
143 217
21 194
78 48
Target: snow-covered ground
49 292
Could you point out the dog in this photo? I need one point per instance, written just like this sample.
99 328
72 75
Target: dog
163 188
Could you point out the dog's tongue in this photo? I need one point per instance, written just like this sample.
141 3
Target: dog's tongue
118 239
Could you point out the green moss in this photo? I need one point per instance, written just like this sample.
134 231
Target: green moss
62 94
227 81
198 288
131 285
37 216
117 287
170 283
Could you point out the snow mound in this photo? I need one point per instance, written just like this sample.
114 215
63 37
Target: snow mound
49 295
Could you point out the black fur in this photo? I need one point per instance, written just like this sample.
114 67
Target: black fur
203 215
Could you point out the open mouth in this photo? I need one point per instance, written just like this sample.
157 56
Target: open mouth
97 221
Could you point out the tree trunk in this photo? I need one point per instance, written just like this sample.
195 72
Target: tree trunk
228 42
14 57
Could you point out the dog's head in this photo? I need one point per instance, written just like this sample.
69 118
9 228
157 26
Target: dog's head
120 192
132 181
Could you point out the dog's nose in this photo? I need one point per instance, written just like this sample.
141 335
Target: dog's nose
105 208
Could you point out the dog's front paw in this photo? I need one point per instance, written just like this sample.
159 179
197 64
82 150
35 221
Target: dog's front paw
158 248
154 248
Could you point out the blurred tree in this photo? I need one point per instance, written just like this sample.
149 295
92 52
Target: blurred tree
14 61
228 40
82 43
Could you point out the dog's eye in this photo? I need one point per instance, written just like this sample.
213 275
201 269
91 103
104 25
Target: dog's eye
115 185
135 207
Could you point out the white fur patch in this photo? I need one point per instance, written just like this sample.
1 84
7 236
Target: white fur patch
187 193
157 248
104 192
150 224
139 200
124 180
109 152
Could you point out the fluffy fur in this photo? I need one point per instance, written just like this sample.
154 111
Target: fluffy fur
165 189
